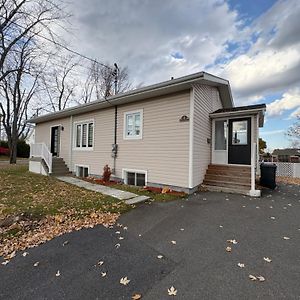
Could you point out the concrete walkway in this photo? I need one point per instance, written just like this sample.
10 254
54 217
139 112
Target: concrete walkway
130 198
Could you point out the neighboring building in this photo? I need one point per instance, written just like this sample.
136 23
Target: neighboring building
179 133
287 155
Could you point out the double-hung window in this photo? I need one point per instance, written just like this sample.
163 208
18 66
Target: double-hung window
133 125
84 135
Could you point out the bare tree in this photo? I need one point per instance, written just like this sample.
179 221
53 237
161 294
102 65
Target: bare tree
105 77
293 133
24 25
59 84
16 91
20 18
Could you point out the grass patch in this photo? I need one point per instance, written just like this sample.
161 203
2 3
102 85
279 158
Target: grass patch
155 196
37 196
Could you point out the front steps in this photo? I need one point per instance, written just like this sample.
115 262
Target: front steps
230 179
59 167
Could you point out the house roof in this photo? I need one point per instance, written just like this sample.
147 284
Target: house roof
241 111
159 89
287 152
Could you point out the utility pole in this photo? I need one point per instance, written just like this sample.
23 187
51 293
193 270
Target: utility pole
116 73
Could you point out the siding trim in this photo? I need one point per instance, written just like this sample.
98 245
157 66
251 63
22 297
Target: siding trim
191 138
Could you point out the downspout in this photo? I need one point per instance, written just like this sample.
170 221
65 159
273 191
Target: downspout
115 145
71 145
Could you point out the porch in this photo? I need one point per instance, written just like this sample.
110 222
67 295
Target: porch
235 150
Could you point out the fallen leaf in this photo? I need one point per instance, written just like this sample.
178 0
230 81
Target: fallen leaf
159 256
103 274
172 291
289 204
118 232
232 242
117 245
228 249
267 259
57 274
100 263
257 206
241 265
271 206
25 254
221 226
286 238
182 229
121 238
136 297
273 218
261 278
65 243
5 263
125 227
36 264
124 280
173 242
252 277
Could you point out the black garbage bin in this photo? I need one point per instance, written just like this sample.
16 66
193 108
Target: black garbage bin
268 175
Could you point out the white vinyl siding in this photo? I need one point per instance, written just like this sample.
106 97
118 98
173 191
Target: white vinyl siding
206 101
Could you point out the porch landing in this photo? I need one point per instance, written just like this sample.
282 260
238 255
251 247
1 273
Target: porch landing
130 198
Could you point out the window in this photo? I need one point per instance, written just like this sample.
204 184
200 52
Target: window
133 124
135 178
220 135
82 171
239 132
84 135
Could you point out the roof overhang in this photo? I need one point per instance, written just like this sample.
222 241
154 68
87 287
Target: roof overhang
160 89
243 112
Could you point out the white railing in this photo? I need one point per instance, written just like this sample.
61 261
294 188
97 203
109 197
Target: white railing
288 169
41 150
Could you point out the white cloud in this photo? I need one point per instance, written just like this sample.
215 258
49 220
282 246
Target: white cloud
289 100
143 34
271 132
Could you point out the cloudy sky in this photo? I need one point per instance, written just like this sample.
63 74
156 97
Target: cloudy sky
255 44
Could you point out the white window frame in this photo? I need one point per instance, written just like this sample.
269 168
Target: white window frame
81 166
125 171
133 137
87 122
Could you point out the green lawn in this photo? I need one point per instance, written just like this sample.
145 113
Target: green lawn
155 196
37 196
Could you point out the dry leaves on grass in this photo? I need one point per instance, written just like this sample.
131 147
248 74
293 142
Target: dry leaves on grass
51 227
288 180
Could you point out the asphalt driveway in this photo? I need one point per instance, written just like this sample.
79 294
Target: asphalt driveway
191 235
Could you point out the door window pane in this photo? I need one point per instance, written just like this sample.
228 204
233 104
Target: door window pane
220 135
239 132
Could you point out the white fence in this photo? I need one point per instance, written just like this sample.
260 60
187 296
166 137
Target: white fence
288 169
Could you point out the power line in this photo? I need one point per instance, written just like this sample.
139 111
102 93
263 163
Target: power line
65 47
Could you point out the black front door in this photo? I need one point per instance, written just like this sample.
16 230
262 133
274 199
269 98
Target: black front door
239 144
55 140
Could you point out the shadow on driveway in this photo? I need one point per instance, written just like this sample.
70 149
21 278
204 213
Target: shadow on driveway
198 265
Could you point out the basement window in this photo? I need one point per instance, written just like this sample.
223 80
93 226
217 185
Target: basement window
82 171
135 178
